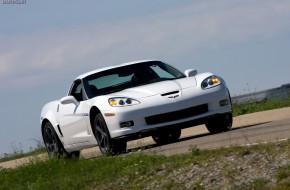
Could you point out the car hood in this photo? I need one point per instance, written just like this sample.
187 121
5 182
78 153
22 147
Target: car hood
157 88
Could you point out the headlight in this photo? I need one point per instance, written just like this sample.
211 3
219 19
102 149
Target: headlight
210 82
122 101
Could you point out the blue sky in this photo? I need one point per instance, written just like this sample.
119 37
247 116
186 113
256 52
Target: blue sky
45 44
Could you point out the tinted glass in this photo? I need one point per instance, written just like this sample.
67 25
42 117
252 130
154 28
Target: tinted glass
129 76
76 91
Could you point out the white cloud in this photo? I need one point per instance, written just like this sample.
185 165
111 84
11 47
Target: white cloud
42 56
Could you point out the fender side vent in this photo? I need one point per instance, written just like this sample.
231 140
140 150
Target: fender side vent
58 127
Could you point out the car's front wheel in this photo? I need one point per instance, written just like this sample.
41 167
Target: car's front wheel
219 124
165 137
106 144
53 145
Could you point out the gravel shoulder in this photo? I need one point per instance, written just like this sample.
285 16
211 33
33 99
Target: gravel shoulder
264 168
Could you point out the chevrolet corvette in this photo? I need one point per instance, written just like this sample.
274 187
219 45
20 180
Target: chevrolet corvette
110 106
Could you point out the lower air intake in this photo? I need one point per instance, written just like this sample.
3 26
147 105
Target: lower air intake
176 115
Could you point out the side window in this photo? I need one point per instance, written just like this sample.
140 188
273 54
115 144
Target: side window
76 91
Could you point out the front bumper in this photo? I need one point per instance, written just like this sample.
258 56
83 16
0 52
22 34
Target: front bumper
193 106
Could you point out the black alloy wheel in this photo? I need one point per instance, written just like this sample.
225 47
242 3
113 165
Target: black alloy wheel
54 146
219 124
107 145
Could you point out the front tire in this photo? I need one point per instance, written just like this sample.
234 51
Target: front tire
219 124
53 145
165 137
107 145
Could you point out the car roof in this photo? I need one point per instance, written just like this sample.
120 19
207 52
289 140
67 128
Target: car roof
110 67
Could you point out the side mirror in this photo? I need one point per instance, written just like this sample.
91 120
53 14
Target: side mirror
190 72
69 100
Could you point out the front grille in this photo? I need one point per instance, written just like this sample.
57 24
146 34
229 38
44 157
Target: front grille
176 115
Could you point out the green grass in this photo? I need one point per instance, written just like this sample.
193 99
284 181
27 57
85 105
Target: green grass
81 174
257 107
134 171
20 154
256 184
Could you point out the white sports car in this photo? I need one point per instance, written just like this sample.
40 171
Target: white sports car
110 106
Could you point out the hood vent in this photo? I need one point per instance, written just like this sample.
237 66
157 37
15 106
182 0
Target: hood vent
170 93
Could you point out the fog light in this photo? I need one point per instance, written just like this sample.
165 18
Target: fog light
127 124
224 102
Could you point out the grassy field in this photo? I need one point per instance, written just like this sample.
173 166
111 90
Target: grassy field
16 155
257 107
149 171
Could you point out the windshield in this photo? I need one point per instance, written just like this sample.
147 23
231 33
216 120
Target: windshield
129 76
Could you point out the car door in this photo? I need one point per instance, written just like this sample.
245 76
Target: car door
73 119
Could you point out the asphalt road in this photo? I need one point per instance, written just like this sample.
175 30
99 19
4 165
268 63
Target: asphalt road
261 127
244 135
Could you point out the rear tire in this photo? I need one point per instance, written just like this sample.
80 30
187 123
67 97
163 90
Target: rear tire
219 124
107 145
165 137
53 145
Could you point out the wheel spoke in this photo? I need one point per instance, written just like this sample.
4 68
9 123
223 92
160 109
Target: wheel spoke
50 141
49 134
49 137
100 130
103 138
106 141
102 135
51 145
51 149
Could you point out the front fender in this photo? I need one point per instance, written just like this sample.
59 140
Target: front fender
200 77
49 114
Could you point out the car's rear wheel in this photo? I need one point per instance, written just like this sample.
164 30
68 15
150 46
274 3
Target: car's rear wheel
165 137
107 145
221 123
53 145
